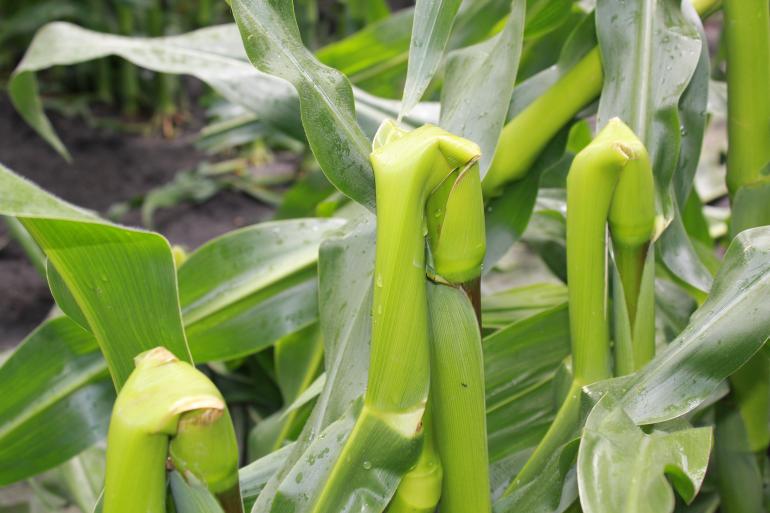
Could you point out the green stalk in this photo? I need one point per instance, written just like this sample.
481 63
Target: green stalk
165 84
524 137
591 186
747 35
400 349
458 401
408 168
129 78
420 489
593 198
168 404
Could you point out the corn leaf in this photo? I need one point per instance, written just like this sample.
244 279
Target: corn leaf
273 44
122 280
56 399
723 334
479 84
214 55
345 275
613 446
433 20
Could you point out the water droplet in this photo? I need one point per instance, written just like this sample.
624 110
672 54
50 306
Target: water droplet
379 280
367 465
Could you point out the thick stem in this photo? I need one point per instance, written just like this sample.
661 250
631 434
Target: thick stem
420 488
590 187
162 399
407 169
747 34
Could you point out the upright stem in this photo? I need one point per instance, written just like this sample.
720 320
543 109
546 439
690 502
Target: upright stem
747 32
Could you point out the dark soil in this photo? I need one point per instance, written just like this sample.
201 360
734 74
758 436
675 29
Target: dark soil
107 168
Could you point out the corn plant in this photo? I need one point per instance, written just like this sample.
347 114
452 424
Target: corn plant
374 357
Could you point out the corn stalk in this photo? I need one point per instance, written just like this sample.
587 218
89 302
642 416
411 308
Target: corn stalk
168 409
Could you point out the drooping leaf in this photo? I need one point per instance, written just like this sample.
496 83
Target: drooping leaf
479 84
432 26
56 399
214 55
723 334
622 468
273 44
122 280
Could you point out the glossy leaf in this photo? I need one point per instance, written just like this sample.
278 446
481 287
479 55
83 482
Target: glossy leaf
723 334
479 83
56 400
431 28
273 44
622 468
346 264
122 280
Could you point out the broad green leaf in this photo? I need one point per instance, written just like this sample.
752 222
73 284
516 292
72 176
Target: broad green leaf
723 334
298 360
520 362
479 83
739 478
375 57
255 475
431 29
649 54
346 264
56 399
122 280
554 492
622 468
502 308
229 268
214 55
273 44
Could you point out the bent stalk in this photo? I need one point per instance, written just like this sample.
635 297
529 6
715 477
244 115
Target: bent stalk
408 168
600 182
168 404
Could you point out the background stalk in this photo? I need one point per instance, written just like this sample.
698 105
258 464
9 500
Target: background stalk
747 35
129 78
